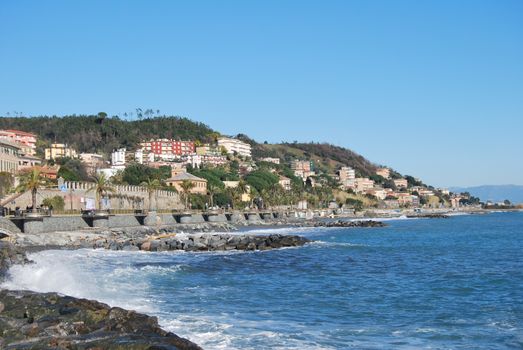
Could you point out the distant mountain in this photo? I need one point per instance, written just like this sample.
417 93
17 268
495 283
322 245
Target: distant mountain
495 193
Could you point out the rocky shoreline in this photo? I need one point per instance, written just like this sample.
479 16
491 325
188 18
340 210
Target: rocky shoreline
30 320
342 223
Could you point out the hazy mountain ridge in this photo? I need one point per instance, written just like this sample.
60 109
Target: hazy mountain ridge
495 193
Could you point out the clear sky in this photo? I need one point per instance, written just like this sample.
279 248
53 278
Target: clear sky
430 88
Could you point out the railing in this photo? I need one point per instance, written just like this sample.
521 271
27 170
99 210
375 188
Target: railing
84 185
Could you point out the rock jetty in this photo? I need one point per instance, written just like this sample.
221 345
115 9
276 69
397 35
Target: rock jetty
204 242
342 223
429 216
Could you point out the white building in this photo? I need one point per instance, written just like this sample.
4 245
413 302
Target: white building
118 157
138 156
271 160
347 176
235 146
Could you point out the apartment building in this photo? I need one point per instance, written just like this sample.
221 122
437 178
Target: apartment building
59 150
235 146
383 172
9 153
167 147
26 140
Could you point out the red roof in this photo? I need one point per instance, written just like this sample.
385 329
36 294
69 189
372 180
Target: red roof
20 132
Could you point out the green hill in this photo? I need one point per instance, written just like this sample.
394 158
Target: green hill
98 133
327 158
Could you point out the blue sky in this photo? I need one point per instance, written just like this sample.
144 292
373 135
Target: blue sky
430 88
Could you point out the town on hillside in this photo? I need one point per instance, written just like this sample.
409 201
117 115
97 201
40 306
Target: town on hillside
169 174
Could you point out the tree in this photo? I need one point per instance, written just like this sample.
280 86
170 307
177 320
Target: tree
32 180
101 187
152 186
56 202
72 169
186 187
6 182
211 191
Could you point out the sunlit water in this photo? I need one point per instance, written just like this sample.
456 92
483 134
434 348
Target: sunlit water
452 283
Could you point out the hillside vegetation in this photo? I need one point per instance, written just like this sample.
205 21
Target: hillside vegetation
327 158
98 133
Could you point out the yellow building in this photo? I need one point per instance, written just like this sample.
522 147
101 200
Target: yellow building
199 184
59 150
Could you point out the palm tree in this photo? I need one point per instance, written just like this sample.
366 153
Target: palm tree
186 187
152 185
101 187
32 181
212 189
252 194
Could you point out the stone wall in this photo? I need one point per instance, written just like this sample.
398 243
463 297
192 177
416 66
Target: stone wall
125 197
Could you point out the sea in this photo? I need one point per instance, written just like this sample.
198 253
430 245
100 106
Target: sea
454 283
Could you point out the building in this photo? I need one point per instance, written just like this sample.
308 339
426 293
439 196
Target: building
383 172
208 150
108 172
199 184
426 192
138 156
346 176
444 191
401 183
303 168
270 160
197 160
285 183
49 172
9 153
92 161
168 147
26 162
406 199
26 140
235 146
379 193
118 157
362 184
59 150
177 168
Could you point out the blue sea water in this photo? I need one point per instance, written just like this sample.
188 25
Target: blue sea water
452 283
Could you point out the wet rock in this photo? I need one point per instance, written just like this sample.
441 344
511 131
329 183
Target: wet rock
63 322
342 223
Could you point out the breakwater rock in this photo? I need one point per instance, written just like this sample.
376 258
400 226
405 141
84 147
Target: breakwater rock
204 242
31 320
10 255
342 223
429 216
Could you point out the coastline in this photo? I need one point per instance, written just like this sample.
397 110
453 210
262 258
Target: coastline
189 237
45 320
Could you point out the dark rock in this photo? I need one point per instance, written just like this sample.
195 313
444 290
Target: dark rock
68 323
429 216
341 223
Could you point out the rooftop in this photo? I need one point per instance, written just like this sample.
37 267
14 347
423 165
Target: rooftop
185 176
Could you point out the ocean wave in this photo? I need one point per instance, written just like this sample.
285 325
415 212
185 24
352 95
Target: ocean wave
337 244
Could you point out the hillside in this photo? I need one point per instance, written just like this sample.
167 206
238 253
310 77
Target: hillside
97 133
326 157
495 193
